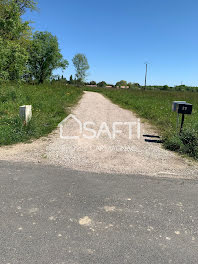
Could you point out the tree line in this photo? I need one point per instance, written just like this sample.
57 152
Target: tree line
121 83
27 56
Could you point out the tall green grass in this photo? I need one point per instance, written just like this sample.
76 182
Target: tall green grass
155 106
50 105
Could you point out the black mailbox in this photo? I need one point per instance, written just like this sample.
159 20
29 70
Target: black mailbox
184 108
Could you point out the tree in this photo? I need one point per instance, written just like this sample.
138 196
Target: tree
165 87
11 25
63 79
13 59
14 39
133 85
81 64
102 84
71 81
121 83
45 56
92 83
22 4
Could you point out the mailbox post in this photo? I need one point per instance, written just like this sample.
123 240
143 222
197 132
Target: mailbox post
174 109
25 113
181 107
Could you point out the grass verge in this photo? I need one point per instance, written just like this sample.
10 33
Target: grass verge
50 105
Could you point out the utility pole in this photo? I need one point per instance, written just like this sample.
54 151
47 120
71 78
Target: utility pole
145 75
145 85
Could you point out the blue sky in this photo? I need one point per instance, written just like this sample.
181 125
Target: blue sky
119 36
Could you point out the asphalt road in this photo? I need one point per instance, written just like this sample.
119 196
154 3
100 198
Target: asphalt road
53 215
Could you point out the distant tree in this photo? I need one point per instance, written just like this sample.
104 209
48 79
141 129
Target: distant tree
165 87
81 64
71 81
102 84
180 87
61 79
133 85
121 83
92 83
45 56
78 82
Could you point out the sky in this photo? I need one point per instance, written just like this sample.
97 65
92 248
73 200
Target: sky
118 37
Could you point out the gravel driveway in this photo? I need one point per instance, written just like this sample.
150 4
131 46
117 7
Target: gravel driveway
121 154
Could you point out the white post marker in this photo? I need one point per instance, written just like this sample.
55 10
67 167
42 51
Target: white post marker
25 113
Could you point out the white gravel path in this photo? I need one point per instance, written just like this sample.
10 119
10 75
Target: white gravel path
119 155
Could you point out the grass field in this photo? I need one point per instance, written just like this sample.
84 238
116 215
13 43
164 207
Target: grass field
50 105
155 106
